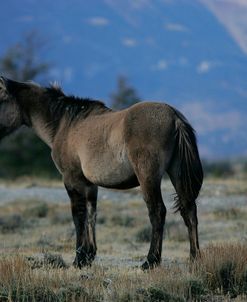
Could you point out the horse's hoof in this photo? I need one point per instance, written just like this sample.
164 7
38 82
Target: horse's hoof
82 263
84 257
195 256
149 265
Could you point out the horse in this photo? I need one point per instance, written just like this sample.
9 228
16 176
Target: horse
93 145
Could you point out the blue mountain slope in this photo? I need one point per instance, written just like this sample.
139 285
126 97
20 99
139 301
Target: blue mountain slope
174 51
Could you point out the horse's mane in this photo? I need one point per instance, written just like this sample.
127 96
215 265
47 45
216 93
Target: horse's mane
60 104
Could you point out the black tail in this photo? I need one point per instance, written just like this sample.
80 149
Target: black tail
189 172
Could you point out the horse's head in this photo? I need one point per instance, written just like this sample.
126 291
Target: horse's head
10 111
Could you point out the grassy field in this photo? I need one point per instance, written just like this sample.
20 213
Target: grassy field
37 249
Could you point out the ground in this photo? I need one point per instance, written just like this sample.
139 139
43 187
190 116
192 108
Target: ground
37 241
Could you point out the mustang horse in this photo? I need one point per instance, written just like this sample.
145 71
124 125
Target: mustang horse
92 145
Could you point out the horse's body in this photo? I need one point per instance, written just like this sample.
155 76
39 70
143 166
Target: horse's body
95 146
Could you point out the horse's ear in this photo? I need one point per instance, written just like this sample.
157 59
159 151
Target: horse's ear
6 85
3 83
3 89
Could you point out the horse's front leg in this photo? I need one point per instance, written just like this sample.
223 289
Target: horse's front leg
83 207
91 197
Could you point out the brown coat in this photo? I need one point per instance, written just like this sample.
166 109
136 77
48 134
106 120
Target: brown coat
94 146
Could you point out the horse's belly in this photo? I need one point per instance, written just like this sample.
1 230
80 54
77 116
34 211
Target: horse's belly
121 184
110 171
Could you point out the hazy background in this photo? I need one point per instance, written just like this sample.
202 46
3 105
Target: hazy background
189 53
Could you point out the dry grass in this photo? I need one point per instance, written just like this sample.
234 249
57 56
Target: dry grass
31 247
221 272
95 284
223 267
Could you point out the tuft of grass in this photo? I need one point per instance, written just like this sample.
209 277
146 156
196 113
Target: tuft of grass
54 261
223 268
48 260
156 294
196 288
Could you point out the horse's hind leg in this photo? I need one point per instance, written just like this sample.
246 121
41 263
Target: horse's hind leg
83 207
189 215
147 169
188 211
157 213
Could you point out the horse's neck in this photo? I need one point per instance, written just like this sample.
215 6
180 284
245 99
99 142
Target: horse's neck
42 129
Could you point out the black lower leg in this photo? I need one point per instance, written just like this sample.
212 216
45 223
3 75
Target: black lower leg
157 214
189 215
84 250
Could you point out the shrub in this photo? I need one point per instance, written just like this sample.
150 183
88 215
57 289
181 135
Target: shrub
123 220
38 211
11 223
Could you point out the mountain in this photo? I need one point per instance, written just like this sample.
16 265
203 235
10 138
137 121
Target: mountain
191 54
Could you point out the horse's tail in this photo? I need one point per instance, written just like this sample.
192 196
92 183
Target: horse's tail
189 172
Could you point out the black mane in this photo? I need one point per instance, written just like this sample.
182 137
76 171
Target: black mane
61 104
73 108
